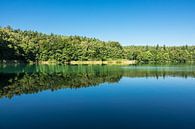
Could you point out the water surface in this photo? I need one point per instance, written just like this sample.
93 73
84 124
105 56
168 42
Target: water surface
97 97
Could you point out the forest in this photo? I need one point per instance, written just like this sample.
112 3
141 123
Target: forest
32 46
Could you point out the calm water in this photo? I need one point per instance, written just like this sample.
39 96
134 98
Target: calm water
97 97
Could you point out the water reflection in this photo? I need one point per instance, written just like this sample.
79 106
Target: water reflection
28 79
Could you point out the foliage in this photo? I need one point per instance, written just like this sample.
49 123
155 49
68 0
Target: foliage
32 46
160 54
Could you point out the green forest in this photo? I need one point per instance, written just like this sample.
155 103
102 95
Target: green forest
33 46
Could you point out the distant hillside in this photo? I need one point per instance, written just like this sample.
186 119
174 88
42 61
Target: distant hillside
30 46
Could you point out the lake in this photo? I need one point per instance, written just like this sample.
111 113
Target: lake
97 97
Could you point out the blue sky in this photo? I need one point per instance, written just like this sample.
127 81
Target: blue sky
131 22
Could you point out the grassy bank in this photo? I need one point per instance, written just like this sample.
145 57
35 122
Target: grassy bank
109 62
115 62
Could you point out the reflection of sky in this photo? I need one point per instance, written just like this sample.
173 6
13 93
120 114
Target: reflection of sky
131 103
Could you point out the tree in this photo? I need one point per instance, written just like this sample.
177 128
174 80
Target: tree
33 46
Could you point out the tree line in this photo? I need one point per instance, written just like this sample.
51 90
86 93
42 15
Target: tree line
33 46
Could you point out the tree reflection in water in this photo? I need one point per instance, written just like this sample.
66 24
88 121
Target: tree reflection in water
28 79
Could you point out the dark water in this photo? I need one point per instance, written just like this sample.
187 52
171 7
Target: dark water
97 97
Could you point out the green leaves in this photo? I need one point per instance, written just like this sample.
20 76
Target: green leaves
29 46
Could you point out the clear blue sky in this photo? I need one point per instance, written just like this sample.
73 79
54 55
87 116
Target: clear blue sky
131 22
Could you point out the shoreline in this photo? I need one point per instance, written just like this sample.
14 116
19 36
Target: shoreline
112 62
109 62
